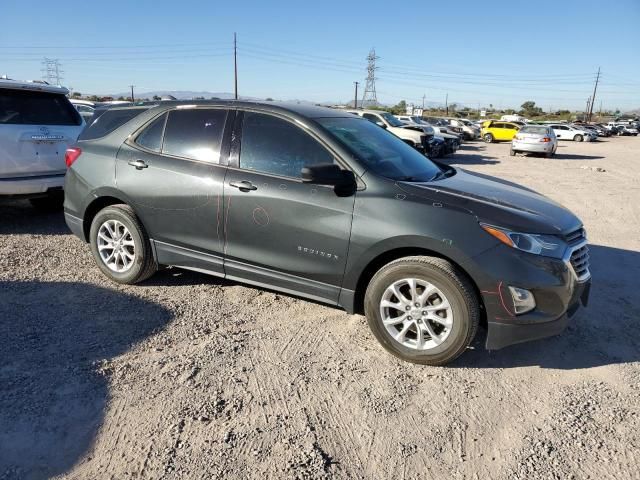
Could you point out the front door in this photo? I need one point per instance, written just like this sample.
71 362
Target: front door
172 174
281 232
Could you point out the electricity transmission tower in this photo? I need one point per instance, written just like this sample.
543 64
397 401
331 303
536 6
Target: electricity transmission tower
52 71
369 97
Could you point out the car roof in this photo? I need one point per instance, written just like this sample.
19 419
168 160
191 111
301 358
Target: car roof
36 86
301 109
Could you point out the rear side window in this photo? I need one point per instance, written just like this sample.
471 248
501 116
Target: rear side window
195 134
24 107
104 123
151 136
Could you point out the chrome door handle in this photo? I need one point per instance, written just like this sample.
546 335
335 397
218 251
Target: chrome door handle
139 164
243 186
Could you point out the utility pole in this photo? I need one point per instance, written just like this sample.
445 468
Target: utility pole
51 71
593 97
235 64
446 103
355 97
132 97
586 112
424 96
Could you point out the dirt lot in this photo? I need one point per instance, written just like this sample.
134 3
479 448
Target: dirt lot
189 377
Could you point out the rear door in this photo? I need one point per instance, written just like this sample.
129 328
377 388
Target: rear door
35 129
279 231
173 171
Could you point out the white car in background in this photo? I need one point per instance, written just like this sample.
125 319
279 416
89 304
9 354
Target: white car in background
571 132
37 124
535 139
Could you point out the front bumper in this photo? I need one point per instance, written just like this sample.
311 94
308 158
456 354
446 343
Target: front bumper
558 293
33 185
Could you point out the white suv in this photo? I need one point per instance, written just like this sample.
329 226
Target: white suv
37 123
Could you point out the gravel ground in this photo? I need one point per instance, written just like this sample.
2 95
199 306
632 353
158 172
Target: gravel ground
187 376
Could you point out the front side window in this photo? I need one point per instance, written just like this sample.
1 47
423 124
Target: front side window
380 151
195 133
277 147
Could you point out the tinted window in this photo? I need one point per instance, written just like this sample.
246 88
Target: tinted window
534 129
381 151
195 133
104 122
36 108
151 136
275 146
371 117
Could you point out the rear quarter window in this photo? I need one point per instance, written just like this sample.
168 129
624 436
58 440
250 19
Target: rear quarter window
103 124
25 107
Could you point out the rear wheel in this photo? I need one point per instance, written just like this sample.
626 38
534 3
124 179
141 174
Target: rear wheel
578 138
512 152
487 137
120 245
422 310
549 154
52 202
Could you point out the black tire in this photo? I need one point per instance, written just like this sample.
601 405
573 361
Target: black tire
512 152
50 203
453 283
144 265
578 138
488 138
549 154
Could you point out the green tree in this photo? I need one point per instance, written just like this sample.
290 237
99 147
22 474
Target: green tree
529 109
156 98
76 94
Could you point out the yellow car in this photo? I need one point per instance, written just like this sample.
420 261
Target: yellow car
497 131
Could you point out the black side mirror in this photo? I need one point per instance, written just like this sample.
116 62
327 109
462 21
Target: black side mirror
331 174
381 124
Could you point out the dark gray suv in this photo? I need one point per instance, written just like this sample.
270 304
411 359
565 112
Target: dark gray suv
326 205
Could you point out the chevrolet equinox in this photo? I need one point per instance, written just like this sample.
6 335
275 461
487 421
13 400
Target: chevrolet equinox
325 205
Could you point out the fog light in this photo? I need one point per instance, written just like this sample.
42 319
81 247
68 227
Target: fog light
523 300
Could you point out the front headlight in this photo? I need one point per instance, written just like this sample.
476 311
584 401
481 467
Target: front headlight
547 245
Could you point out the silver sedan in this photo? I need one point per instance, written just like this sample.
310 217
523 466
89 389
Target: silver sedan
535 139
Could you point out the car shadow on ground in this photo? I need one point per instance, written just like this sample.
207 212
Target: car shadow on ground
19 217
573 156
606 332
55 337
470 158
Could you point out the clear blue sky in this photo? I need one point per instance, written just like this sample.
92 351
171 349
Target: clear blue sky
480 52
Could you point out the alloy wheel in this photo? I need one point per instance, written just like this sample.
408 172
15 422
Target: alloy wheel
416 314
116 246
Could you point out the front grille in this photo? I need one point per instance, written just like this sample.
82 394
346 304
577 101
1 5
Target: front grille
580 262
575 237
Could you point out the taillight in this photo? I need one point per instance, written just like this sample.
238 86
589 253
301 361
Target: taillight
545 139
71 155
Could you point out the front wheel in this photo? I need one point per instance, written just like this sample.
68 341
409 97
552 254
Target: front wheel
422 310
578 138
120 245
512 152
488 138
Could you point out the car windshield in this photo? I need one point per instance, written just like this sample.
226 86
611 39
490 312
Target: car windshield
380 151
420 121
534 129
391 119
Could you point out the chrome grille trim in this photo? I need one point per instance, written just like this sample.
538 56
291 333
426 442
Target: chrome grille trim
577 259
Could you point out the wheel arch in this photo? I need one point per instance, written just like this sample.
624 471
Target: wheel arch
94 207
389 256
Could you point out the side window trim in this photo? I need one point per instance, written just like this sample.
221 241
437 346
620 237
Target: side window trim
133 138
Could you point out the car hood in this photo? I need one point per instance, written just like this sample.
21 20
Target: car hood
497 202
